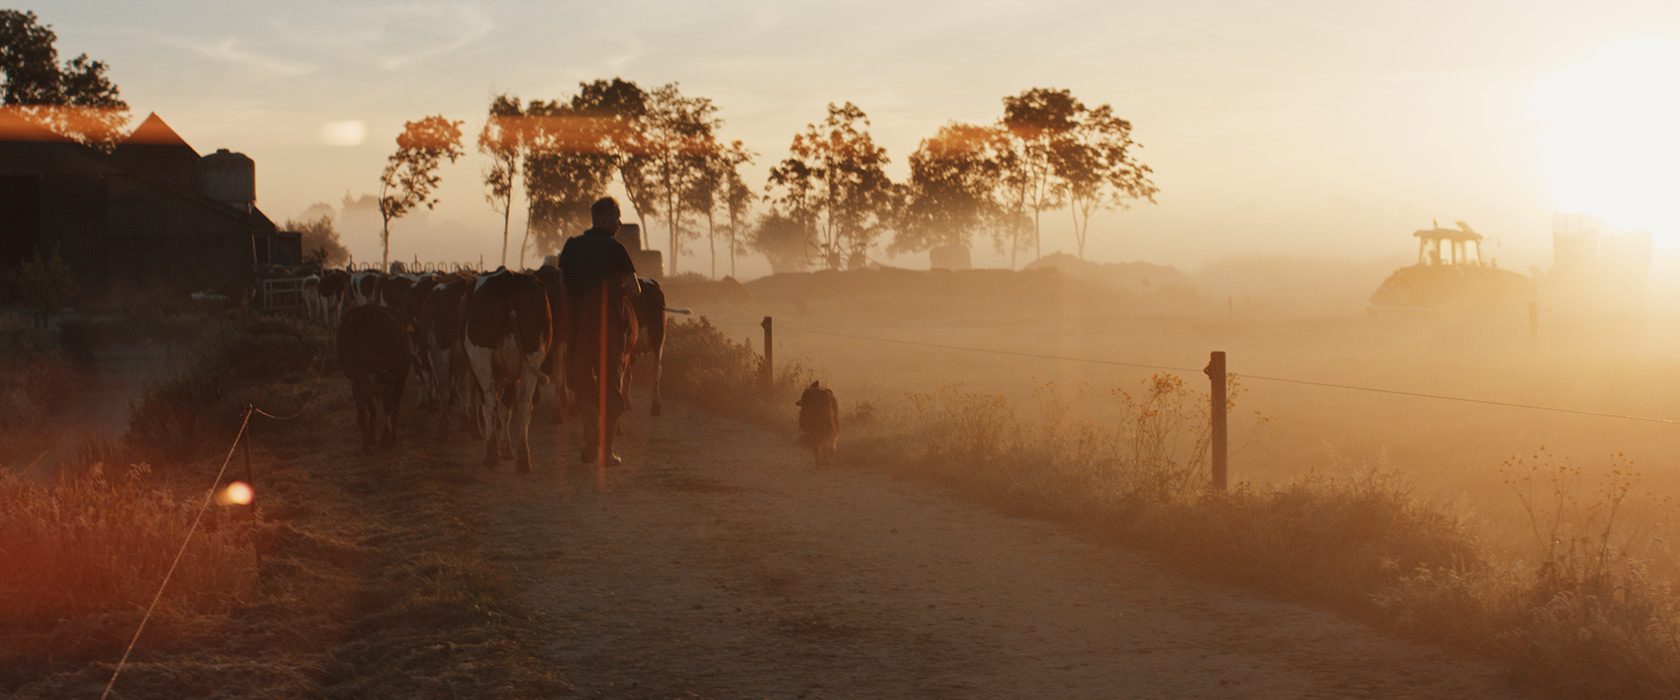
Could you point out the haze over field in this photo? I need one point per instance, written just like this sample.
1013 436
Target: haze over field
1318 129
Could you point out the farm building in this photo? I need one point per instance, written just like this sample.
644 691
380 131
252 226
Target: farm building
150 219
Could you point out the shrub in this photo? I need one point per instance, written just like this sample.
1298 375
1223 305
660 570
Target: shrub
34 373
199 408
709 369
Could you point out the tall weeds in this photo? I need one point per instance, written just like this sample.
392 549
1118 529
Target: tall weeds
94 543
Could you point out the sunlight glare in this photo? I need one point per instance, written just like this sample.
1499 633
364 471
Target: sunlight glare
237 493
1609 137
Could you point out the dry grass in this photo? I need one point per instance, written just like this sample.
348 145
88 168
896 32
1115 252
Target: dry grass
35 373
92 548
238 361
1579 612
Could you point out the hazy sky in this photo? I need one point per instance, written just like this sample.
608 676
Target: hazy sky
1324 128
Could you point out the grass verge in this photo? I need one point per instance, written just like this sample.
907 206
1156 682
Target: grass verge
1577 614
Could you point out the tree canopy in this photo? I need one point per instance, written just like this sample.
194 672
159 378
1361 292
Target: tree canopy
319 239
411 172
834 183
76 98
956 189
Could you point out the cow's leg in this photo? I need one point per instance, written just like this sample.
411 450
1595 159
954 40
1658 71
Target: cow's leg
526 391
362 394
480 360
442 387
658 371
505 408
558 378
393 402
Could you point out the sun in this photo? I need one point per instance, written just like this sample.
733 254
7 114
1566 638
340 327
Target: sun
1609 136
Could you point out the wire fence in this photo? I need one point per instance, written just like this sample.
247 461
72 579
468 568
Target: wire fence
1244 375
240 436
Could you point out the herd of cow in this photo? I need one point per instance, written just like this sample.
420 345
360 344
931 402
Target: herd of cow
479 344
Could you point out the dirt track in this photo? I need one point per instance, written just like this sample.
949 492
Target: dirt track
717 563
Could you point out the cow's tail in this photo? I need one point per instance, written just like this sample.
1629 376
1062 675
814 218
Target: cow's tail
679 310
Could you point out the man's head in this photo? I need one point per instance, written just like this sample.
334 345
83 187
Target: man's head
604 214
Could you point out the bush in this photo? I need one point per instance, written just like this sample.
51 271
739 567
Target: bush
708 369
34 373
199 408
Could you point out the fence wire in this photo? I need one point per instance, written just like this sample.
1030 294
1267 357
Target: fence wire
1243 375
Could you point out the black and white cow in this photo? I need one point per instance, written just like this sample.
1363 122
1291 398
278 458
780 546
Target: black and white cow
508 330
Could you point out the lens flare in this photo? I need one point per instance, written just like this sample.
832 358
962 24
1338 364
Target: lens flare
345 133
237 493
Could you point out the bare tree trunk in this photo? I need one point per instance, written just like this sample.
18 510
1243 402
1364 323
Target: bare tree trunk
1078 234
1038 240
525 243
711 241
673 216
507 216
385 245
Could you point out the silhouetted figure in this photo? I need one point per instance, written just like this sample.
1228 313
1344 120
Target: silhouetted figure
819 421
600 282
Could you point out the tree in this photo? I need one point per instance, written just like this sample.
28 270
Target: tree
569 163
44 284
1098 170
411 173
784 239
737 202
320 240
1040 120
835 171
76 100
715 167
617 109
956 180
677 146
502 140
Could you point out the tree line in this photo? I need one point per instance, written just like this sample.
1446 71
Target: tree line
828 202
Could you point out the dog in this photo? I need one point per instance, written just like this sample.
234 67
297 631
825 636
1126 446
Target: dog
819 421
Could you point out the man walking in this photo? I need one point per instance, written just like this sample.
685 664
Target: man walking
600 281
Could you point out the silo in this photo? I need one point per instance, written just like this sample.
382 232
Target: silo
228 177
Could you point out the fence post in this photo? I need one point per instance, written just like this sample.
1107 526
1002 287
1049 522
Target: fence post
251 481
769 354
1216 374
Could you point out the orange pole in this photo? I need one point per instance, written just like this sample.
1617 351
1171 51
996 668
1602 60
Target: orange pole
601 396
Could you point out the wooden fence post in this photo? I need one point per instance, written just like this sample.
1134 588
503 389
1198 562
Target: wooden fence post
769 354
1216 374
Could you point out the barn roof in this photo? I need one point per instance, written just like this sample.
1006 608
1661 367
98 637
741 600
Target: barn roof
14 127
154 132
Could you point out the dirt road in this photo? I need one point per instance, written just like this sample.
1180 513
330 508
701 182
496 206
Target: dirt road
717 563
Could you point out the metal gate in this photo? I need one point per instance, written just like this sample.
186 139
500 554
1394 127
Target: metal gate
281 294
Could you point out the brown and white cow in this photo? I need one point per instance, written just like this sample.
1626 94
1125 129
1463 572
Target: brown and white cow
651 315
508 329
438 325
554 365
373 352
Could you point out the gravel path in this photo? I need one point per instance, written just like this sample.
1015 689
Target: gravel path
717 563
